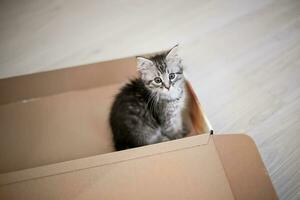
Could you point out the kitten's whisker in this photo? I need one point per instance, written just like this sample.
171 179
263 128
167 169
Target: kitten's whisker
152 102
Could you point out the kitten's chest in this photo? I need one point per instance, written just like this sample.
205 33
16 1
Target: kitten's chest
171 113
172 109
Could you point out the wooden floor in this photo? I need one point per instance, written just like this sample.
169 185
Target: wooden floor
243 58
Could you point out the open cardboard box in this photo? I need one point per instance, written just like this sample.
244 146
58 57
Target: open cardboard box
56 144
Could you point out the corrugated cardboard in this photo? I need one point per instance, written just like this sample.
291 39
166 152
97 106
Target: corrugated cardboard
244 168
56 144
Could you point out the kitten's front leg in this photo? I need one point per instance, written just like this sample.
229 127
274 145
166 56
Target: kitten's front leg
185 129
164 139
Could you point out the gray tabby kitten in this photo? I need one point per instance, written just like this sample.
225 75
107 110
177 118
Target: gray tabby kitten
151 108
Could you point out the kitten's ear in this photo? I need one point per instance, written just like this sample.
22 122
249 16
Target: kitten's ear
172 53
143 63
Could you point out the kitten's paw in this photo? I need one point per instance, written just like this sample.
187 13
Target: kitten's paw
174 136
179 136
165 139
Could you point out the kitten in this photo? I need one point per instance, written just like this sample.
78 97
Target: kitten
151 108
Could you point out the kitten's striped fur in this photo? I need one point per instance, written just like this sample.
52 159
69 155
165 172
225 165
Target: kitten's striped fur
148 112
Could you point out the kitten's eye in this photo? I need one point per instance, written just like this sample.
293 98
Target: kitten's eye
171 76
157 80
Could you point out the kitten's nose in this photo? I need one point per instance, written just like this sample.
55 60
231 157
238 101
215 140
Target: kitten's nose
167 87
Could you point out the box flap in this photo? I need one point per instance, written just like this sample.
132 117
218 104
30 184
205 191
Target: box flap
244 168
197 167
48 83
103 159
189 168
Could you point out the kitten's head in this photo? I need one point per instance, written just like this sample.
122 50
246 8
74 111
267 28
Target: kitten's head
163 74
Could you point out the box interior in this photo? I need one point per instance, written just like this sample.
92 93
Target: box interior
62 115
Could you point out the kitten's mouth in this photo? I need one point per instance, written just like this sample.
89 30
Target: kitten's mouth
169 97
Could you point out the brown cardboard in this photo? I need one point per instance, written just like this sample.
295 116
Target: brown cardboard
197 167
64 80
243 167
179 169
56 144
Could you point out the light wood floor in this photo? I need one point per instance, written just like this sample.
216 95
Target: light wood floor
243 58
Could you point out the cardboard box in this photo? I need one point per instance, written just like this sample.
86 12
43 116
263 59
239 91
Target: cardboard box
56 144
